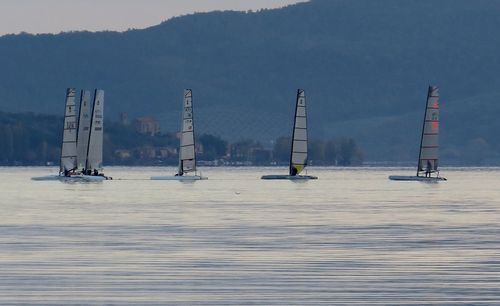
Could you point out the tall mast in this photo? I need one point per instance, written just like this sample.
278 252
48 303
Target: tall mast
429 141
68 146
84 122
187 154
298 154
94 150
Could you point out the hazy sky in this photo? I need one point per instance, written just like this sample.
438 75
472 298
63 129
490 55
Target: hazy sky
54 16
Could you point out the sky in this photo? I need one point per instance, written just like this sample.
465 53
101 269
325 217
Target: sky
54 16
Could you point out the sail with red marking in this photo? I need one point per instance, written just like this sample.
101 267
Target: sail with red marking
429 147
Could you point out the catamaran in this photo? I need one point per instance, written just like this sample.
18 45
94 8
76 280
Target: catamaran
68 147
427 168
298 154
93 164
70 156
187 154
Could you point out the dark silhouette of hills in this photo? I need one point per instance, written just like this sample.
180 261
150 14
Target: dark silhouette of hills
365 66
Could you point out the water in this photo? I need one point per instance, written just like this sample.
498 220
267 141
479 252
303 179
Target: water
351 237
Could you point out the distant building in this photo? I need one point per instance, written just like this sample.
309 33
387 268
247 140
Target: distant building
123 154
259 155
198 148
147 125
124 119
146 152
166 152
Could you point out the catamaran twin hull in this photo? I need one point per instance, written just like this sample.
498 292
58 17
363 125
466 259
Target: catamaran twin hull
289 177
416 178
72 178
179 178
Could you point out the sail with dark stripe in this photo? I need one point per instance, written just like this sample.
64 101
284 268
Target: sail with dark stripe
187 155
68 149
298 158
94 151
83 129
429 145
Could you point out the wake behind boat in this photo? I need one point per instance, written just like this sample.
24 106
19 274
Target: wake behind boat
288 177
298 154
187 153
427 169
71 178
416 178
179 178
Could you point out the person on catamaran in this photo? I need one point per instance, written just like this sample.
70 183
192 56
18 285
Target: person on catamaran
428 170
96 173
294 171
180 173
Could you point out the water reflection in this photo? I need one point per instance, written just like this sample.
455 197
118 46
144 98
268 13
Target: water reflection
351 237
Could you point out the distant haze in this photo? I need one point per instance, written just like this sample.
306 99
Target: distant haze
54 16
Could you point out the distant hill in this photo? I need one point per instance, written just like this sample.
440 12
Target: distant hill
365 66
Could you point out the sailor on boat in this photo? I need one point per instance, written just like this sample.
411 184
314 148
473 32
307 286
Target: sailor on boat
429 143
298 152
187 152
428 171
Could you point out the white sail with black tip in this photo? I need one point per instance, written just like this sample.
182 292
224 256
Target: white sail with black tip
298 158
94 150
68 149
298 152
83 129
187 155
429 144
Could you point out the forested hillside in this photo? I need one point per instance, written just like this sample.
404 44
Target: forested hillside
365 66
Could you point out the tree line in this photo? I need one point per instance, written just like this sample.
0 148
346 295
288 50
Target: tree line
33 139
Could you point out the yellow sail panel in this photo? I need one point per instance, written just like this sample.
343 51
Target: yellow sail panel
299 167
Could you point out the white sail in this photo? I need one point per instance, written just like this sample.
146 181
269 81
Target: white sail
83 129
298 159
94 151
429 146
187 156
68 150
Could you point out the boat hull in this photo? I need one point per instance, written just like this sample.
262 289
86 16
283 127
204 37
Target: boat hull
416 178
72 178
289 177
179 178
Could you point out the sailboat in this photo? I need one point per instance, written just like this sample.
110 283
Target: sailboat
298 153
93 163
68 146
427 168
83 134
70 156
187 154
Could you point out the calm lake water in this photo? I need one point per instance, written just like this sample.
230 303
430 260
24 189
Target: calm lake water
351 237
